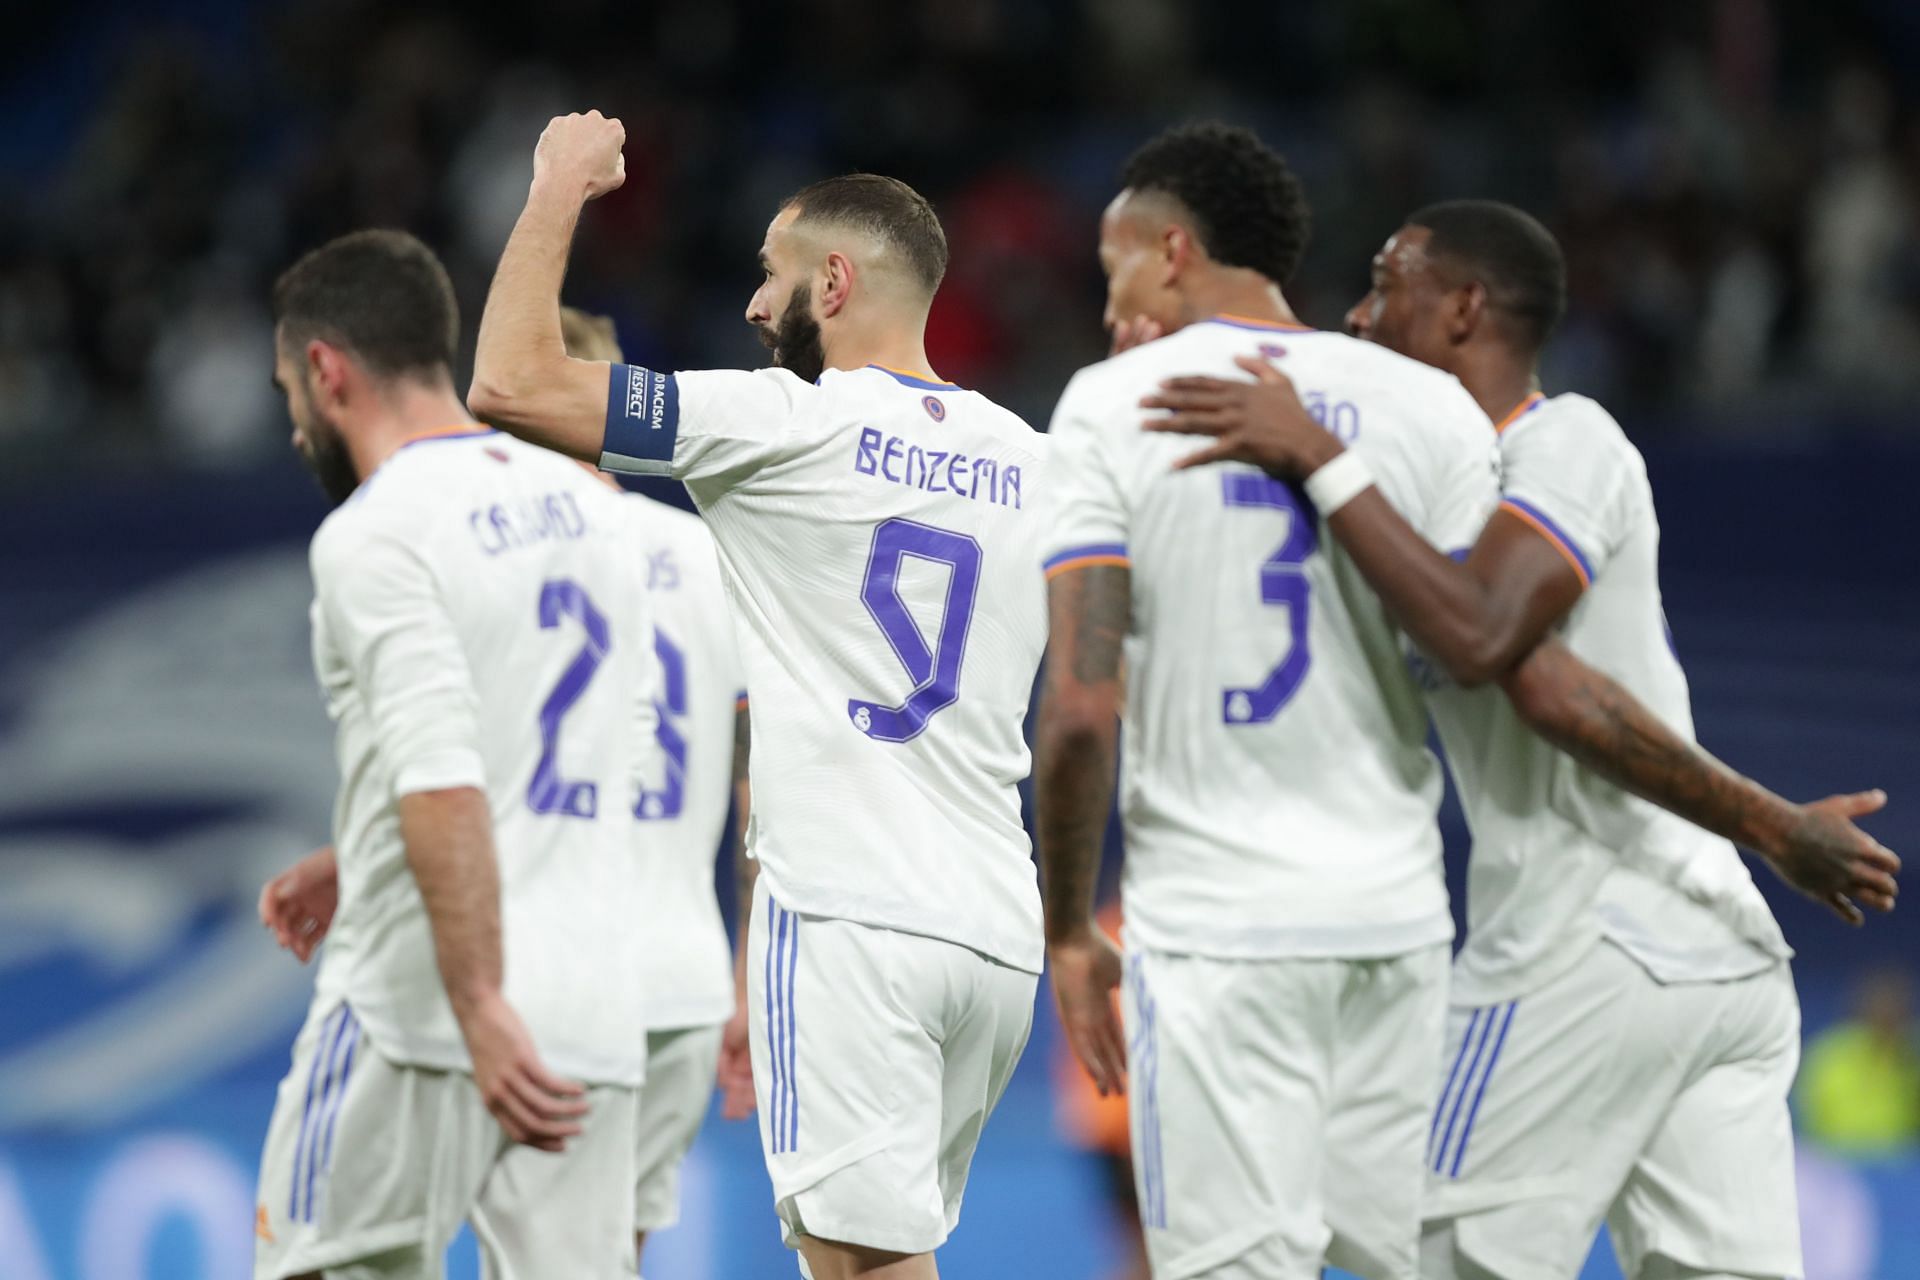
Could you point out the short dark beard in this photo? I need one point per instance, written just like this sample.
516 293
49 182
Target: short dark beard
327 458
795 339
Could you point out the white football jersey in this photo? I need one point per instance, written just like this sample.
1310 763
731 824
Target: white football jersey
1277 791
480 619
1560 856
688 975
878 535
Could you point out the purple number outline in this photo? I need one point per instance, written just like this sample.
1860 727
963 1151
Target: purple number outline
1283 581
935 672
547 791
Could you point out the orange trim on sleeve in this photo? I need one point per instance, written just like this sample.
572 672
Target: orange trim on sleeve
1088 562
1539 526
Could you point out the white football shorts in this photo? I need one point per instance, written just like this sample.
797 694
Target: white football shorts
673 1102
1605 1095
370 1167
877 1058
1279 1109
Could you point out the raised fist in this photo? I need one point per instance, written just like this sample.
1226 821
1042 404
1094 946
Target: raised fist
583 153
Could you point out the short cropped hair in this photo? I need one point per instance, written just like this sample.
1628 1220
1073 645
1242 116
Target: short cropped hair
1509 253
885 208
1246 204
381 295
589 337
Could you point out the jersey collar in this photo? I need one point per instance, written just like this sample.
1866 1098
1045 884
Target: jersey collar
914 379
1271 326
1533 401
461 432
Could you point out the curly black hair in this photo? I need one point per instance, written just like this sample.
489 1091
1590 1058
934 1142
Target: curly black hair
1245 201
1514 258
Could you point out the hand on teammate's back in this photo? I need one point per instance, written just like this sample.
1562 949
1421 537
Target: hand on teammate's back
1832 861
582 152
1262 422
534 1106
1086 971
298 904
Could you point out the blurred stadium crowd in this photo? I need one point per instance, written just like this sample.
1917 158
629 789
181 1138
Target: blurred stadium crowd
1737 182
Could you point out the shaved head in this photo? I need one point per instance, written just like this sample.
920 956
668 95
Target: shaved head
881 222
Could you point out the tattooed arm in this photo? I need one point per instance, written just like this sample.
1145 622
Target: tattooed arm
1815 847
1076 744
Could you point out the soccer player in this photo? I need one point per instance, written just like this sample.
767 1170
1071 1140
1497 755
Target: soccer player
486 651
1615 1051
696 1001
696 996
878 533
1287 920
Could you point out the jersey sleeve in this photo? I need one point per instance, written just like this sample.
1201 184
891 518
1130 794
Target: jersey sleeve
1566 479
714 426
382 603
1089 516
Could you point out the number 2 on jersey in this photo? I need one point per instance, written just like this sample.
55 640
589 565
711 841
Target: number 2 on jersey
1283 583
547 791
935 671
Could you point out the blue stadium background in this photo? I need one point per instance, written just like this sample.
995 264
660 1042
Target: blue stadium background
1736 184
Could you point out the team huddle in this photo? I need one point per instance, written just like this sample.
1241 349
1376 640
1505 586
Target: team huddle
542 687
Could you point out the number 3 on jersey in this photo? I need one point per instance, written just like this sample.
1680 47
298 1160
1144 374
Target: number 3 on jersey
1283 582
934 670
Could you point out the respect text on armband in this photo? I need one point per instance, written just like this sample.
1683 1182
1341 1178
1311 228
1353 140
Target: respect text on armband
890 458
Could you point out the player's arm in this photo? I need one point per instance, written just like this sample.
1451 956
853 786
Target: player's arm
1815 847
1076 747
1476 620
448 834
381 600
523 380
736 1058
1487 619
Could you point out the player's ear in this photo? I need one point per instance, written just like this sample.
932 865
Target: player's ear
326 370
1466 308
836 285
1176 251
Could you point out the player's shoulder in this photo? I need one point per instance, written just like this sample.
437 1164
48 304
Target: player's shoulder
1572 426
1432 398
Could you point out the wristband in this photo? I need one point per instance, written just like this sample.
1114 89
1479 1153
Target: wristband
1338 482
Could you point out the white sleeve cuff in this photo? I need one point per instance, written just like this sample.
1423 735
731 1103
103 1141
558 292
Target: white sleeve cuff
440 770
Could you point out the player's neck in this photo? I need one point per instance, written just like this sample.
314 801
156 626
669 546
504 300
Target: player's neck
897 346
1498 384
407 412
1243 294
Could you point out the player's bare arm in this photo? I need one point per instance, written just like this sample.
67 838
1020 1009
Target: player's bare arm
449 842
1476 621
523 380
1489 619
735 1071
1076 746
297 905
1814 847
